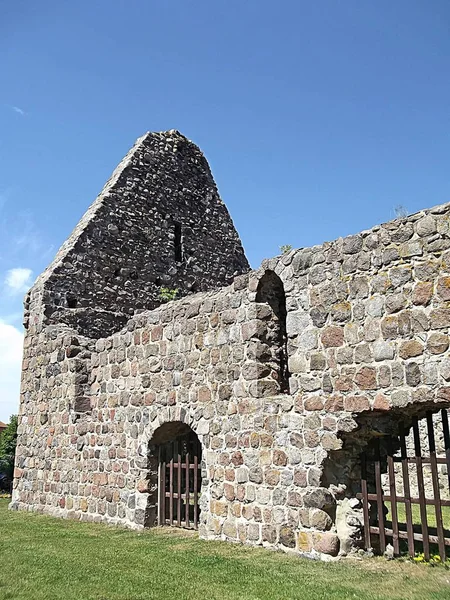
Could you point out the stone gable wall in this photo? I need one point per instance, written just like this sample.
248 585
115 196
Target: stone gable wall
124 250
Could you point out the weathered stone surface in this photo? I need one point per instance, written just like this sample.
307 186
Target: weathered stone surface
440 318
366 379
318 362
381 402
319 498
284 375
332 336
297 322
437 343
375 306
356 403
443 288
410 349
423 292
304 541
179 253
412 373
383 350
426 226
287 536
328 543
319 519
341 312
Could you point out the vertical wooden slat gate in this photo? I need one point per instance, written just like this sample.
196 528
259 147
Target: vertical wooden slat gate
179 481
389 513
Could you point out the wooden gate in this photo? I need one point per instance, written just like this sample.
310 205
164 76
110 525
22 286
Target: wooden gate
179 481
406 500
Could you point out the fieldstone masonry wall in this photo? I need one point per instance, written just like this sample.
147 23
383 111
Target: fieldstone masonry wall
366 336
158 222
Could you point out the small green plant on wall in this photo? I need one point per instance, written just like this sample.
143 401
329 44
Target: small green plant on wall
167 294
286 248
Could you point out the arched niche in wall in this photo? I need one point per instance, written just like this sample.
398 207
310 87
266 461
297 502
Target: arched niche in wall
271 291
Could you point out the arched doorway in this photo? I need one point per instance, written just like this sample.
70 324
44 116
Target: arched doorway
176 450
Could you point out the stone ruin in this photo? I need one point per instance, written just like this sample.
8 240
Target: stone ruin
284 373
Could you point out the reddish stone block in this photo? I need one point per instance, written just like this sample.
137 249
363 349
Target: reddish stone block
157 333
272 477
230 474
443 288
356 403
237 459
229 492
422 293
381 402
149 398
240 493
279 458
327 543
334 404
300 477
332 336
343 383
366 378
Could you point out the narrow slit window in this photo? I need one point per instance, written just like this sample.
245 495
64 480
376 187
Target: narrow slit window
178 243
71 301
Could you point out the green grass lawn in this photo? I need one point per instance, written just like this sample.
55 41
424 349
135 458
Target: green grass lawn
415 510
52 559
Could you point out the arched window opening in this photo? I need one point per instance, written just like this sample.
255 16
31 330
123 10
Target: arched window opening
175 459
271 291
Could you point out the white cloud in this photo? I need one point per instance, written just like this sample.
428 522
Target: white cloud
18 110
18 281
11 342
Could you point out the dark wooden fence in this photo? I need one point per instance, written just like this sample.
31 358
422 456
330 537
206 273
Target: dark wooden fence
179 481
401 522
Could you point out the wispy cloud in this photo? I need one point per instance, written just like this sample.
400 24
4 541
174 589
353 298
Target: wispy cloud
28 237
18 280
19 110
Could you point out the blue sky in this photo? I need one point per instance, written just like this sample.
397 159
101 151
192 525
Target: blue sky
318 118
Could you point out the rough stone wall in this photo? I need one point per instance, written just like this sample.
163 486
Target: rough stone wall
367 328
158 222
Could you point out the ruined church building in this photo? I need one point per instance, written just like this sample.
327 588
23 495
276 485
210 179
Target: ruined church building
242 406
